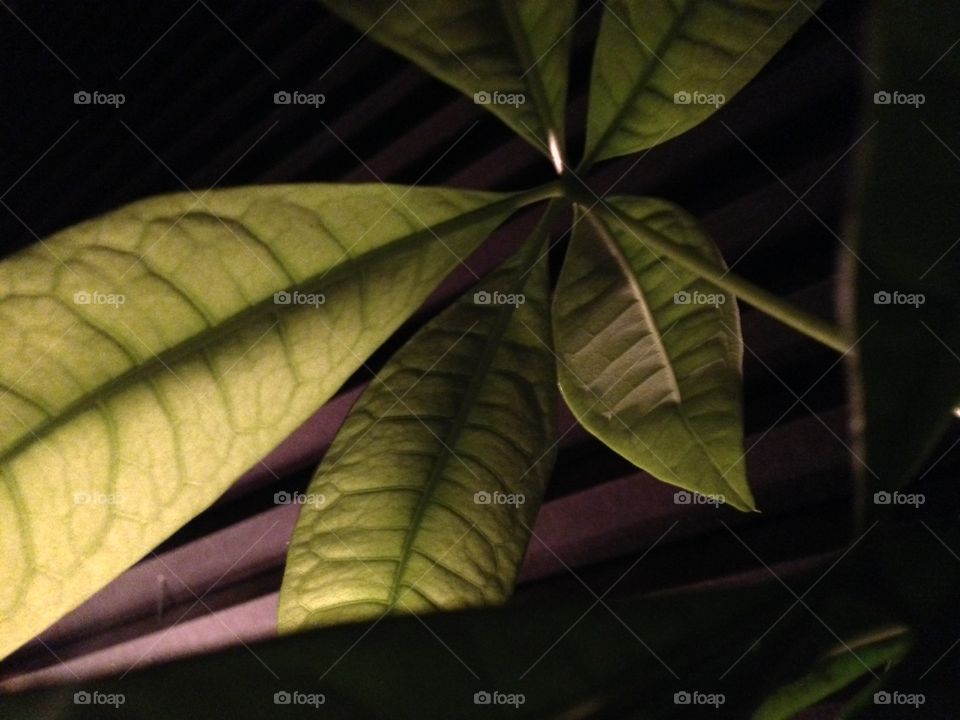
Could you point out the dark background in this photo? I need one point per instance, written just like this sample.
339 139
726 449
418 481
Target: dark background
199 80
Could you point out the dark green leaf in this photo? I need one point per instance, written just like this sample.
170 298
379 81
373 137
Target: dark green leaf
511 56
567 660
663 66
575 658
830 675
907 293
650 354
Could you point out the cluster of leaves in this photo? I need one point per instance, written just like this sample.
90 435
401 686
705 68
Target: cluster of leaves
162 403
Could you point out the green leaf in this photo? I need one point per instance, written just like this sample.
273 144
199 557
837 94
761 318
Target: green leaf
511 56
650 354
121 421
464 413
570 659
912 570
830 675
908 260
650 50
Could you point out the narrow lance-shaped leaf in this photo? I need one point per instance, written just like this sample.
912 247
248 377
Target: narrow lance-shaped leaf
914 572
663 66
907 261
650 354
513 651
831 674
150 356
426 499
511 56
558 660
561 658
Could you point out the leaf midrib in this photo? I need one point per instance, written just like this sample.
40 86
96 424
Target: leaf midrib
532 78
610 240
625 268
466 407
210 336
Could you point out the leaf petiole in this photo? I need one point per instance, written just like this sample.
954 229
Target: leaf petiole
790 315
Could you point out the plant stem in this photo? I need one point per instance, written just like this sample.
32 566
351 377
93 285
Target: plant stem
800 320
547 191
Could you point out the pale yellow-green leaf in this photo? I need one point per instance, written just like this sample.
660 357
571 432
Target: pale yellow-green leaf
426 499
119 421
